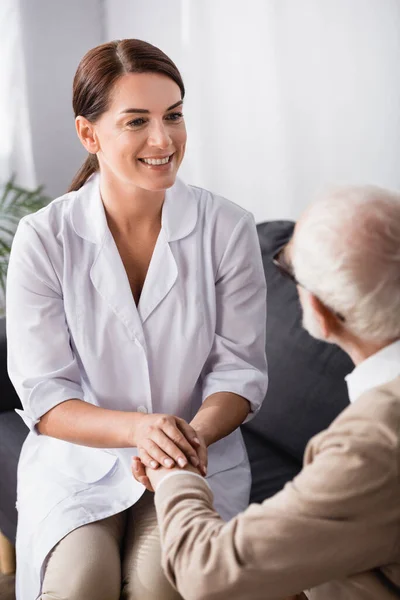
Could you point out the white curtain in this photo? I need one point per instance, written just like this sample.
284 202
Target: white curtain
15 132
284 97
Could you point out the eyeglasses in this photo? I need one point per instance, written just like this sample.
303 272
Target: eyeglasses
282 262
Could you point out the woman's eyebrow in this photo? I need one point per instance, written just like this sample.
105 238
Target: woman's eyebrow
143 111
179 103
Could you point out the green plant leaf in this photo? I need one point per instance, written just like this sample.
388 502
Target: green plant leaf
15 203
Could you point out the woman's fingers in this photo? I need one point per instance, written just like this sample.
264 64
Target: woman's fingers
169 441
147 459
193 437
179 435
188 431
151 453
169 448
203 455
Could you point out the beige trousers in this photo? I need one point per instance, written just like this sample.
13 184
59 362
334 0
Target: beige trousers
118 558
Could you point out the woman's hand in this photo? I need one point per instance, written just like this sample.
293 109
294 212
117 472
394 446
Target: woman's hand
202 453
139 470
166 440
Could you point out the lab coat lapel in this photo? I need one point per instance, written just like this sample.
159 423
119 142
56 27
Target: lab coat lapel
160 278
107 271
109 277
179 217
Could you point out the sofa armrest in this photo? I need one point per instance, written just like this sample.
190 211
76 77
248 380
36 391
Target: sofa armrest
8 396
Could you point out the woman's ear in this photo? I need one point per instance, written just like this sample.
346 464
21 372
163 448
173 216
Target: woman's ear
87 135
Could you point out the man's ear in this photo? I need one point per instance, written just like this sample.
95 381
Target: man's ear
326 319
86 133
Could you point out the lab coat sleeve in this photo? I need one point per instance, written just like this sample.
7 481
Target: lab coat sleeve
41 363
237 361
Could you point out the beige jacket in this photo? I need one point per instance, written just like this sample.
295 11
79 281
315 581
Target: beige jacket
332 532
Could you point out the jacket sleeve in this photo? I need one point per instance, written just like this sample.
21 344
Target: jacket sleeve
237 361
337 518
41 364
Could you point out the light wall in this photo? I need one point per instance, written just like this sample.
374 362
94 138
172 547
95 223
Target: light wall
56 35
284 97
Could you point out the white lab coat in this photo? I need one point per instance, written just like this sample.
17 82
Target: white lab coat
74 331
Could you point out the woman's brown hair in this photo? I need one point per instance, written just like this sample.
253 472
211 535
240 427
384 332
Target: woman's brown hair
96 75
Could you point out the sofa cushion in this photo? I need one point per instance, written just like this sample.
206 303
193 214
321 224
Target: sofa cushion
8 396
13 432
306 377
271 467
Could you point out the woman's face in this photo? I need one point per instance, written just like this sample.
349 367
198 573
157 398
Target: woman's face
142 136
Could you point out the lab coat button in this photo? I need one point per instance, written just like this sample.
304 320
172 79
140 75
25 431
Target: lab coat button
142 409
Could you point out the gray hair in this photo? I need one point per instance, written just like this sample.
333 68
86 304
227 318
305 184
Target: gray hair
346 251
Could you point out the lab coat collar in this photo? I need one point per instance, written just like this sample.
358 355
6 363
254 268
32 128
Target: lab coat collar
179 216
179 213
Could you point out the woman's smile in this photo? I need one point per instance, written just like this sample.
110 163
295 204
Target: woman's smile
157 163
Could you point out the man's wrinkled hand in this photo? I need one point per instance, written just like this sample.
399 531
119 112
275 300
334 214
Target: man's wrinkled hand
139 473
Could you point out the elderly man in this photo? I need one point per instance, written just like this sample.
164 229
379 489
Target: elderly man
334 531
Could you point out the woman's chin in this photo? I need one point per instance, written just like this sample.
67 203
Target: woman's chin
151 182
158 183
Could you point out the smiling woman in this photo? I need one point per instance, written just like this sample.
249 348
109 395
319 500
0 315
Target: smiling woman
138 149
143 322
107 80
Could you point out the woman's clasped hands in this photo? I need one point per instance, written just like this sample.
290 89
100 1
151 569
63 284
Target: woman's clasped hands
166 441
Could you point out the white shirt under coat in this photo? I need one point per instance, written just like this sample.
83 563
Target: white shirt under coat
374 371
74 331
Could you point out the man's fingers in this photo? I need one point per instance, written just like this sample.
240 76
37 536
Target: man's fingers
139 473
138 468
147 483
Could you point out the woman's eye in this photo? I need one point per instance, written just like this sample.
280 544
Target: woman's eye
176 116
136 122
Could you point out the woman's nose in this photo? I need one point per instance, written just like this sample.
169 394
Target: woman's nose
159 136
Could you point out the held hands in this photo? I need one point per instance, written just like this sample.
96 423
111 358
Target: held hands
168 441
150 478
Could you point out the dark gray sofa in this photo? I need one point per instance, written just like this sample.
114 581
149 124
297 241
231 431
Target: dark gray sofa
12 433
306 392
